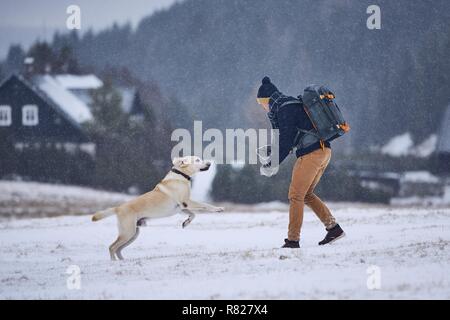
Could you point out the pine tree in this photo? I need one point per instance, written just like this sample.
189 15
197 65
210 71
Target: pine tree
14 59
125 149
43 56
106 109
65 61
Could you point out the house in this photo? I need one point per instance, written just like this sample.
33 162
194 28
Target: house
443 145
41 123
53 107
40 109
420 184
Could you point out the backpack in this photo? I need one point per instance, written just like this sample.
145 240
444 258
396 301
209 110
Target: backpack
325 116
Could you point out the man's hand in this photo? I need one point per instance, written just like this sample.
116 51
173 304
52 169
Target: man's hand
264 153
267 170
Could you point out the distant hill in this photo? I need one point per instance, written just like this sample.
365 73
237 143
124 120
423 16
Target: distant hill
212 54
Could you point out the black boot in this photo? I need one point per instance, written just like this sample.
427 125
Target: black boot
333 234
291 244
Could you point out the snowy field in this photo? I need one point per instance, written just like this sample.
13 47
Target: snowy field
33 199
231 255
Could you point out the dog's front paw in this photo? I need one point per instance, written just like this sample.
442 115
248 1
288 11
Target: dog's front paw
186 223
219 209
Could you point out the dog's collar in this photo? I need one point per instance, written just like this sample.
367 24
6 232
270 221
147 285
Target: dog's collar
181 173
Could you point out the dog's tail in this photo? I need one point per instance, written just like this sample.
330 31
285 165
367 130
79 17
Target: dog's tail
103 214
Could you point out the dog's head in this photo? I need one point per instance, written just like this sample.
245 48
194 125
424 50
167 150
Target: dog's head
190 165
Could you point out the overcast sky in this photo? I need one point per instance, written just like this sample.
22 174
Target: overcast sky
22 21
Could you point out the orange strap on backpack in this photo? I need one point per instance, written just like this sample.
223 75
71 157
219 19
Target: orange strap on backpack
345 127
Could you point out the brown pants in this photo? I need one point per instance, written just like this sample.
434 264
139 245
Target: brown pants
305 176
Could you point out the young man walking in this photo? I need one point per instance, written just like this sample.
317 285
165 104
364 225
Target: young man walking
287 115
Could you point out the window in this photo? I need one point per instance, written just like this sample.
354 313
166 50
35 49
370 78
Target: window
30 115
5 116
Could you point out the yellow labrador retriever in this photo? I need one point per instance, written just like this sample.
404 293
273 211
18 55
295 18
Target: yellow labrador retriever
172 193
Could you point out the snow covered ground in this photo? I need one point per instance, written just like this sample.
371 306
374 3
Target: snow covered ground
231 255
32 199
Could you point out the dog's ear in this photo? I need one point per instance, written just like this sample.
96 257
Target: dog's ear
180 162
177 161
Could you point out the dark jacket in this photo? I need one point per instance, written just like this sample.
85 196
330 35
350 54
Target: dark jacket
287 118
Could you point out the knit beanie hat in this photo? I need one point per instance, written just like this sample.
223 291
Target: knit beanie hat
266 89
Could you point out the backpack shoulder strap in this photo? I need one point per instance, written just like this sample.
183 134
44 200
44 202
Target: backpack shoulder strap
293 101
308 138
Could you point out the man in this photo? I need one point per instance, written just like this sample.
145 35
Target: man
287 115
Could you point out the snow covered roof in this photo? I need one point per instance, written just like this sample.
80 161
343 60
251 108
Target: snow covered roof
444 135
63 98
128 95
426 148
403 145
398 146
79 82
